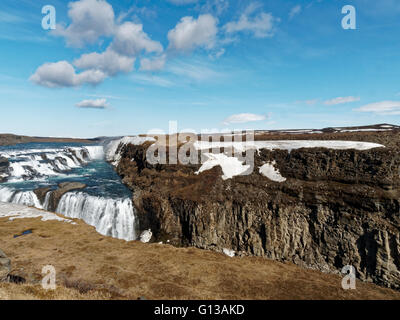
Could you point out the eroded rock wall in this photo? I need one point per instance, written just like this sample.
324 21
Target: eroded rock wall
336 208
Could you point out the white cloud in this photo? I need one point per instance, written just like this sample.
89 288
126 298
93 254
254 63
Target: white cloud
195 70
244 118
93 104
130 40
218 54
108 62
147 79
62 74
190 33
309 102
154 64
91 19
341 100
294 11
261 25
382 108
182 2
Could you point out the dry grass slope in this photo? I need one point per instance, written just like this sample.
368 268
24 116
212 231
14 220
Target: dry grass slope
91 266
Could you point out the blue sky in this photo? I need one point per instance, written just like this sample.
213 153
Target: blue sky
125 67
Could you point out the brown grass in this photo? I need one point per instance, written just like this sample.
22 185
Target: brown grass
90 266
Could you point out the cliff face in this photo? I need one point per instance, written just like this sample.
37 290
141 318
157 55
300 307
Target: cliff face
336 208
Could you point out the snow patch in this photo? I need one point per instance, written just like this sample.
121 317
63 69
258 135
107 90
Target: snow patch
268 170
229 253
16 211
146 235
364 130
111 148
231 166
287 145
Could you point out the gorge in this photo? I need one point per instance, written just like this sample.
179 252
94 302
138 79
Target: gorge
319 200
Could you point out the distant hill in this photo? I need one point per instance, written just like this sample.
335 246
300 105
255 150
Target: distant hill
11 139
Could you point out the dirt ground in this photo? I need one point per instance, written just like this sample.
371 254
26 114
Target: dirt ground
91 266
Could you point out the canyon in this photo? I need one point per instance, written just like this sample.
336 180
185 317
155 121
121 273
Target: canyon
335 208
315 199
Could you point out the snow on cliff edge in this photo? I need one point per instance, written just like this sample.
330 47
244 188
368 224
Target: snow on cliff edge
111 148
288 145
17 211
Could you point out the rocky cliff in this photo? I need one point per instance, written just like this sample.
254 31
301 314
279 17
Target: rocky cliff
56 194
336 207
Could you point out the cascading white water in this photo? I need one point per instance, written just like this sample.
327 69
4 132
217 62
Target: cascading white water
110 217
95 152
26 198
35 163
46 201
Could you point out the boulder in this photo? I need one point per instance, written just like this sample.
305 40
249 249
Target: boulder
63 188
41 193
5 266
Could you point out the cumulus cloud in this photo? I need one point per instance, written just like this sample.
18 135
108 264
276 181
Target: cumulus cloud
382 108
294 11
90 19
261 25
93 104
341 100
62 74
154 64
130 40
108 62
244 118
190 33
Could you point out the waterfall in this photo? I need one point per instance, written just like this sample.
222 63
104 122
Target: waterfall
110 217
32 164
26 198
46 200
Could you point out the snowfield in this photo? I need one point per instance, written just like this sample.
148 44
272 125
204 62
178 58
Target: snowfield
17 211
287 145
268 170
231 166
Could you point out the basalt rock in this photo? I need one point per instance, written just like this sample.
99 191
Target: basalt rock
56 194
4 164
41 193
336 208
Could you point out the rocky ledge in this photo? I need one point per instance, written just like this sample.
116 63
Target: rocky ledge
4 164
55 195
336 207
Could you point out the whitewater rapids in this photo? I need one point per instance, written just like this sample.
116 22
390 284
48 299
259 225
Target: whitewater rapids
30 168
